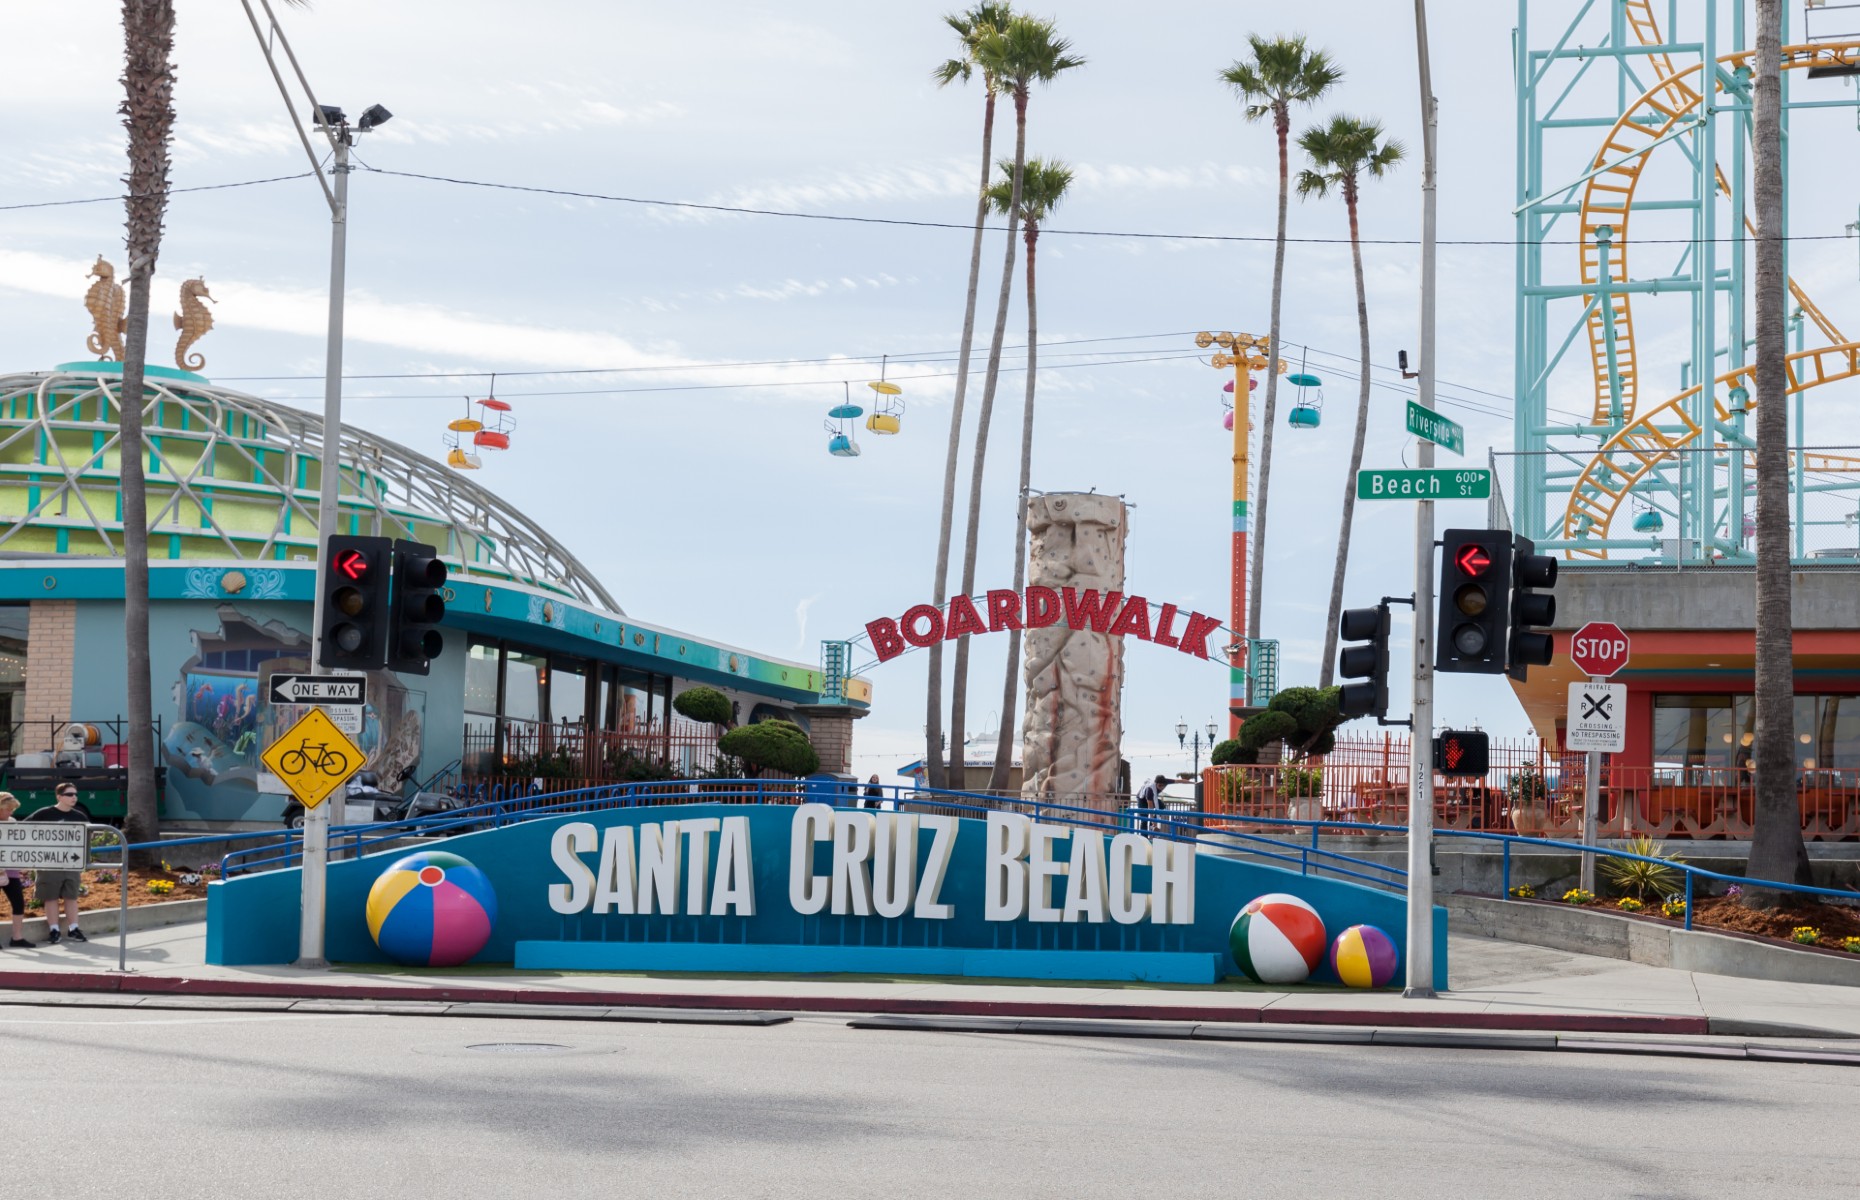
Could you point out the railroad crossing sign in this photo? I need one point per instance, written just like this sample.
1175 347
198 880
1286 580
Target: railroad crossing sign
313 758
1597 717
1599 649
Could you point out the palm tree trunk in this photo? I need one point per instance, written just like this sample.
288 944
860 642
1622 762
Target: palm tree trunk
933 708
148 84
1329 663
959 677
1010 690
1282 124
1776 848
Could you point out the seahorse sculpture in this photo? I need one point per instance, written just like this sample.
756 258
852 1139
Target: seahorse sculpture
106 303
194 320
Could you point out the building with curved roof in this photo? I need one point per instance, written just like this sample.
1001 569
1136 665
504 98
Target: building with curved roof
543 675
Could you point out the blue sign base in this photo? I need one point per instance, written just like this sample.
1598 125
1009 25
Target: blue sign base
1098 965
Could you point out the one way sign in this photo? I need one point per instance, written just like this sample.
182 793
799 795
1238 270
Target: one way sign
317 689
1597 717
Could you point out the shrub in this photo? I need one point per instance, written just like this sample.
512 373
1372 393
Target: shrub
1851 945
1805 935
1629 904
1524 891
161 887
1228 750
1637 878
1300 781
704 704
1525 787
1305 719
772 746
559 763
1577 895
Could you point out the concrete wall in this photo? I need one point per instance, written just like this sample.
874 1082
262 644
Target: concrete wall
1608 935
1704 598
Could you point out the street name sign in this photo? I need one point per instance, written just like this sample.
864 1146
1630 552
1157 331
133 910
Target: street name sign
313 758
48 845
1426 423
1433 483
1599 649
318 689
1597 718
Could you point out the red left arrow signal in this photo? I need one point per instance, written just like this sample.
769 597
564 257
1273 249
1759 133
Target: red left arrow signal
353 564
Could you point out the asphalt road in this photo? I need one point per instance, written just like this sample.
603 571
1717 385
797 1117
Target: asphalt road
119 1103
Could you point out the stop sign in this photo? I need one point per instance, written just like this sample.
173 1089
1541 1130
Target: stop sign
1599 648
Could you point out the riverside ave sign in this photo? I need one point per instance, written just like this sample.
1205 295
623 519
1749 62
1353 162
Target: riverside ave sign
1112 613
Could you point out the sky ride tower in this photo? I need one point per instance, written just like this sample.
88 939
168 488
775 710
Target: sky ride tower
1634 391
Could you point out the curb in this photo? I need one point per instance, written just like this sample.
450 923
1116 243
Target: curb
171 985
1442 1039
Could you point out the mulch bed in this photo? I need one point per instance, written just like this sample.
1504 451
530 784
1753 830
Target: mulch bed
103 893
1723 914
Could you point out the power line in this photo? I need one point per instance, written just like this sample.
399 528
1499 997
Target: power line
969 227
173 191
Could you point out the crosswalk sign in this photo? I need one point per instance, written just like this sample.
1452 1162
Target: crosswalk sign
313 758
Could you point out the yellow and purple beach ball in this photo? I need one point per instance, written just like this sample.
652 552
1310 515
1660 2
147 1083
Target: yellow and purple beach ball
431 909
1277 938
1364 957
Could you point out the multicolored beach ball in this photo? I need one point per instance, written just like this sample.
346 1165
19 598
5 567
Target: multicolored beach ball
1364 957
431 910
1277 938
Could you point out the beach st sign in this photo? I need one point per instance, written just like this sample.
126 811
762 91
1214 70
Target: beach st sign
1428 483
1112 613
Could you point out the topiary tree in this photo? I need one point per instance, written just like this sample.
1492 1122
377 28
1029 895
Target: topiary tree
1305 719
772 746
1225 751
704 704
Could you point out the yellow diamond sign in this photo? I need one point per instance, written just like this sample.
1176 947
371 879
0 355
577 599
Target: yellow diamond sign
313 758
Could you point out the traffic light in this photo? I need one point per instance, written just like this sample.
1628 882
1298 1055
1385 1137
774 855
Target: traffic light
1530 570
1462 752
1369 662
414 639
1475 597
354 579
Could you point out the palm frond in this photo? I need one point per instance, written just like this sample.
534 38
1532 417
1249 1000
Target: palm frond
1282 72
1043 184
1316 183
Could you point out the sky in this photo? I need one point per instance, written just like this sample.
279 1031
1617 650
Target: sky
700 491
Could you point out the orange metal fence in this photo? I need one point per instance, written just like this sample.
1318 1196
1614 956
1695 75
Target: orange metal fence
1531 789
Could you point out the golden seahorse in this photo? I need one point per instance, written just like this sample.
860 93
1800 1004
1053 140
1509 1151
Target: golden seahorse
193 321
106 303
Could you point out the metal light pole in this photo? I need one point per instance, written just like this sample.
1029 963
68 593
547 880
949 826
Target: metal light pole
334 126
1420 983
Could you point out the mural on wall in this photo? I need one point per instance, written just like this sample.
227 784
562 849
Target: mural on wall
211 751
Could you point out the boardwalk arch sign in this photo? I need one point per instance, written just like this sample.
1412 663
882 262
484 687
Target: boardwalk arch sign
1112 613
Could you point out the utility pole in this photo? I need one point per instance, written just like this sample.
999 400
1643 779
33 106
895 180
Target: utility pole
1420 983
334 126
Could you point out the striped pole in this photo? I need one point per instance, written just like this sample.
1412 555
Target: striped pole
1243 424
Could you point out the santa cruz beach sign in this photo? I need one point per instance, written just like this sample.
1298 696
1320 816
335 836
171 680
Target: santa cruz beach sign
1111 613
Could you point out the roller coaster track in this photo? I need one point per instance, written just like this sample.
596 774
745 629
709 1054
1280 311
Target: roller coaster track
1642 443
1659 114
1639 447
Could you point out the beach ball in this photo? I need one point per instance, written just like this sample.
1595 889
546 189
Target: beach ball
1277 938
431 909
1364 957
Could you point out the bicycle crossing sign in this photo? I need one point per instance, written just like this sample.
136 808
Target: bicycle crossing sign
313 758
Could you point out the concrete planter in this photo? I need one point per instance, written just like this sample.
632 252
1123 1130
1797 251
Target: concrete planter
1611 935
95 921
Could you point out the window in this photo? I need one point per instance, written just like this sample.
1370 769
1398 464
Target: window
14 622
1694 736
568 690
526 679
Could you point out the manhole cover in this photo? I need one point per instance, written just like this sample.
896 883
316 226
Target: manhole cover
517 1048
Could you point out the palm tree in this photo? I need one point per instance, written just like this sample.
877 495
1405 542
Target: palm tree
1776 849
970 27
1026 51
1042 184
148 115
1340 152
1281 73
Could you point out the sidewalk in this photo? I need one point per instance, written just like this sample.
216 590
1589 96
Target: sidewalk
1496 986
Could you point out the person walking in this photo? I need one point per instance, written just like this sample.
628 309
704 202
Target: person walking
61 887
13 883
